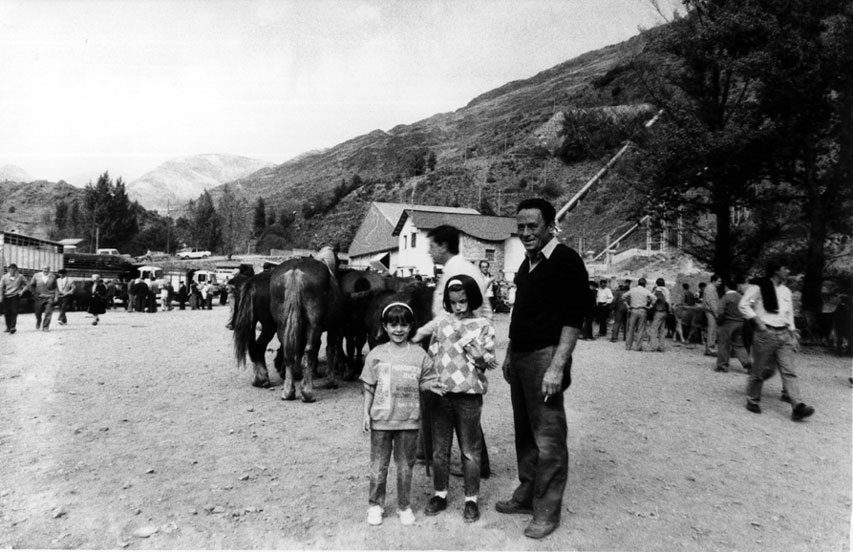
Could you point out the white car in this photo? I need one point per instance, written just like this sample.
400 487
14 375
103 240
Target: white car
193 253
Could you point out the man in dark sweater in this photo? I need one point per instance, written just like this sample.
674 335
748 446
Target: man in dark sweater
549 308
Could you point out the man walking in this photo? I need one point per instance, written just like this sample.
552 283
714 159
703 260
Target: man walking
638 299
64 291
12 284
770 308
730 328
711 304
43 288
546 319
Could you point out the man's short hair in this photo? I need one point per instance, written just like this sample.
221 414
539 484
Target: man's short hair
685 285
603 282
62 272
13 265
447 236
660 282
544 207
714 277
641 282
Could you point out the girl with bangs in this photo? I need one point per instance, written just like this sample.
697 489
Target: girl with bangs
394 374
462 348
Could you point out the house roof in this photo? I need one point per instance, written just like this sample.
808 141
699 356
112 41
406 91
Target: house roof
375 234
482 227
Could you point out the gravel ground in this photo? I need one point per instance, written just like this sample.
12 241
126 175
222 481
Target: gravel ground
142 433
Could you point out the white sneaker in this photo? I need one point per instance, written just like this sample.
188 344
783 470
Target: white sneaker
374 515
407 517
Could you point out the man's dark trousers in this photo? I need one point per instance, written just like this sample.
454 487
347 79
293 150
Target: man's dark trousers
540 436
10 311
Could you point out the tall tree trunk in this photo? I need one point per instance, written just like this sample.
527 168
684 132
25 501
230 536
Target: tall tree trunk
723 243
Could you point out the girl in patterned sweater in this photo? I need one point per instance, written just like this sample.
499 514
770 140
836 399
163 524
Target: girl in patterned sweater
462 348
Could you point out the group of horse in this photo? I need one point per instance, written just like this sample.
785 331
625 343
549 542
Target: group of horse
303 297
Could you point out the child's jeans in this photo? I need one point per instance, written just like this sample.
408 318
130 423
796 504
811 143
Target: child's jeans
458 412
404 444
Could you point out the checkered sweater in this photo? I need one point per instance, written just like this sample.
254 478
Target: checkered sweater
456 367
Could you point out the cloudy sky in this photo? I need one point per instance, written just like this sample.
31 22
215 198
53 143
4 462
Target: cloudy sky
124 85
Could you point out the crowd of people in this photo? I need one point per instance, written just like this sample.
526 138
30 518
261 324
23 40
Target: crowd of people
52 291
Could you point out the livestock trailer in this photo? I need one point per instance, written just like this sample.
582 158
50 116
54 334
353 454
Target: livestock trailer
30 254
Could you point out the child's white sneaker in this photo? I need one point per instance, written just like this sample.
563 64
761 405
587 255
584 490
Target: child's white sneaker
374 515
407 517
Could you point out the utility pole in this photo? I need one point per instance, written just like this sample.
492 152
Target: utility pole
168 225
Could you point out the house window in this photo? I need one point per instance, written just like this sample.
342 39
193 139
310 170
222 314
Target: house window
414 240
490 255
405 242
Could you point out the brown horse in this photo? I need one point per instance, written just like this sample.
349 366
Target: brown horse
305 300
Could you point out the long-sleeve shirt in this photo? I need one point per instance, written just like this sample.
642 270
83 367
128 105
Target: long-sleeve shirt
710 299
12 287
604 296
456 368
43 285
751 305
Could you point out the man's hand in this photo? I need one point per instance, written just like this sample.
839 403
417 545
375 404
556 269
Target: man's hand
506 367
365 423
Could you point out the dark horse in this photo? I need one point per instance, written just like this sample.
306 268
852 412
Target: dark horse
305 300
252 308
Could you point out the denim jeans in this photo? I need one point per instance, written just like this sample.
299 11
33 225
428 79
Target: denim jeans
772 350
404 444
540 436
459 412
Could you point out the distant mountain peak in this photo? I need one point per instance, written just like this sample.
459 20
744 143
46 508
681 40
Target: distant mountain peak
179 180
14 173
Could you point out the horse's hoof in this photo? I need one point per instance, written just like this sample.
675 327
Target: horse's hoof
308 397
261 383
288 396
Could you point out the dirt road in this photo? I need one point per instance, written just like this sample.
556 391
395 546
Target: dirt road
141 433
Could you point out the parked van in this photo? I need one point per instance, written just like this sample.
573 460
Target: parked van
108 252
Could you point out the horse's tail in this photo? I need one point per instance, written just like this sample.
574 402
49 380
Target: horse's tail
244 325
292 310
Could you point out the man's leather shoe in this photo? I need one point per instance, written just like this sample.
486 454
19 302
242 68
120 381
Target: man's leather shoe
436 504
801 411
472 512
540 529
512 506
753 407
